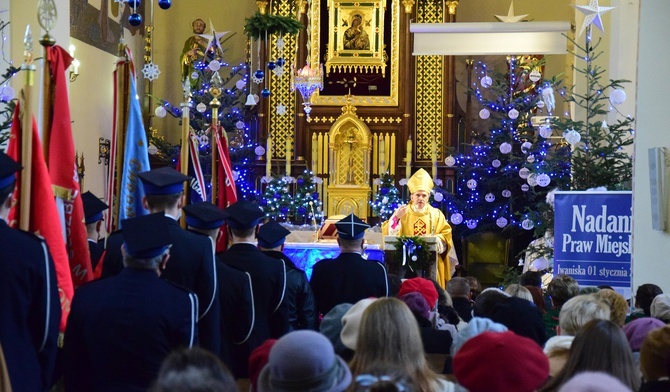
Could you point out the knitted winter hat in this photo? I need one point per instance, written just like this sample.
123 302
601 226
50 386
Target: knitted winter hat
560 342
483 363
638 329
304 361
417 304
331 326
352 320
660 307
476 326
258 359
593 382
420 285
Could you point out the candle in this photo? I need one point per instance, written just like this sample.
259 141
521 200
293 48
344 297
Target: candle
392 154
314 153
433 157
268 164
408 159
382 155
288 156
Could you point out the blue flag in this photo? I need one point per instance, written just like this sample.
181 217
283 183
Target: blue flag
135 160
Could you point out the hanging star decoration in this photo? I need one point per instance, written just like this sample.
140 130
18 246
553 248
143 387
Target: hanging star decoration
593 15
213 40
510 17
281 109
151 71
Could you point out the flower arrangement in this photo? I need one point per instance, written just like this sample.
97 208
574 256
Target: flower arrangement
413 252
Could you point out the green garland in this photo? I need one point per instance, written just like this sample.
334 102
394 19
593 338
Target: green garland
258 25
418 253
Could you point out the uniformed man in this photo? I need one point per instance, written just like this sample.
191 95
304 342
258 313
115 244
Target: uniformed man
121 329
29 305
93 209
268 276
299 297
349 277
237 307
191 255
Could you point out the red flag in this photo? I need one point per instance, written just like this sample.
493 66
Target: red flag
63 170
43 212
227 191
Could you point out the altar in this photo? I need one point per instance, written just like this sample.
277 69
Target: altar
303 249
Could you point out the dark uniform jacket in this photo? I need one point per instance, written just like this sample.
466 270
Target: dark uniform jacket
120 330
29 310
268 279
95 249
191 265
237 316
299 298
348 278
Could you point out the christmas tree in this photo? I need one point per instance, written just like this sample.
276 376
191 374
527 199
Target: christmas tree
277 201
387 199
512 164
7 99
307 206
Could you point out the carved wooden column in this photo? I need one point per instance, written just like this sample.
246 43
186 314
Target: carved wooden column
300 127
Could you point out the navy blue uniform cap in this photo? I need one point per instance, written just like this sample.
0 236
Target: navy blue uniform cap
93 207
204 216
163 181
146 236
8 168
351 227
271 235
243 215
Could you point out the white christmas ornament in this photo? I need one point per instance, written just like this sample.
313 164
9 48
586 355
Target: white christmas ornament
402 182
513 114
501 222
456 218
525 146
506 193
486 81
438 197
505 148
385 200
239 125
543 180
471 224
604 125
525 187
160 112
259 151
151 71
152 150
540 104
240 84
490 197
201 107
194 75
571 136
532 179
450 161
530 159
214 65
472 184
484 114
527 224
545 131
524 172
7 93
534 75
496 163
438 181
548 97
618 96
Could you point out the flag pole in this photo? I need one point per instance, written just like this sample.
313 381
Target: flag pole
185 128
215 91
121 121
46 41
27 129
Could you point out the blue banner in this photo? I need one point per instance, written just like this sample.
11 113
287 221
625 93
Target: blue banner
592 232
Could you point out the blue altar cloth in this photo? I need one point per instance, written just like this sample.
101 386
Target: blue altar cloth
305 255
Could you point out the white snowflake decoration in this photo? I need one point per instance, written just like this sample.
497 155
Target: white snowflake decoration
257 80
281 109
151 71
279 71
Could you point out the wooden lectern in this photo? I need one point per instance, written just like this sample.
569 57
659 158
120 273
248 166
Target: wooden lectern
404 271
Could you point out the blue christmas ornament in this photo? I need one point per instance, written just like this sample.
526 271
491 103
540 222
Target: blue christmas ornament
271 65
135 19
315 195
383 191
164 4
284 210
259 74
276 195
133 3
300 181
280 62
265 93
302 210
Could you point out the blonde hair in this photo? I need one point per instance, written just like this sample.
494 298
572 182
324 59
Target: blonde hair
516 290
580 310
389 338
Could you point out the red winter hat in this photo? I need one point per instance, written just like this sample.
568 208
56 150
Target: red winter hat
422 286
483 363
258 359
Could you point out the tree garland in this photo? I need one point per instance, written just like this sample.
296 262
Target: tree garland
413 252
259 25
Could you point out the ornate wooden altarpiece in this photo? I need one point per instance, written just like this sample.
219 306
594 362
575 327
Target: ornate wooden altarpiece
390 95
